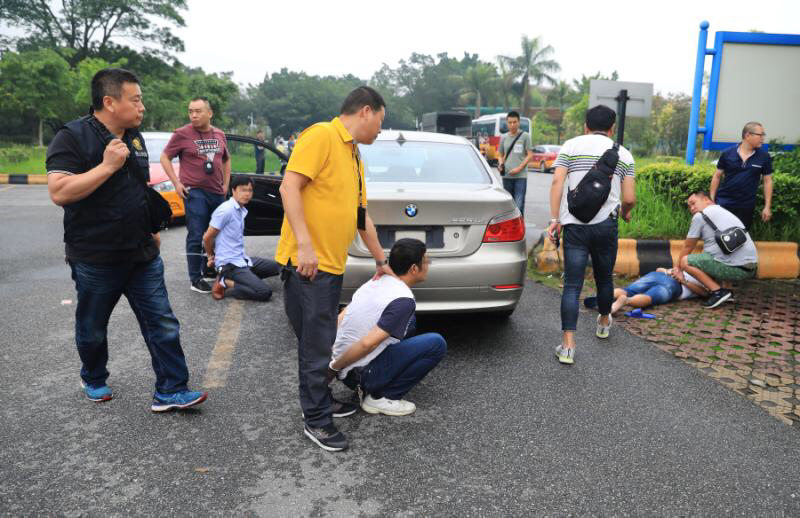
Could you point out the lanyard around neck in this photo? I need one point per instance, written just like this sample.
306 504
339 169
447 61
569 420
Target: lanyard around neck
357 158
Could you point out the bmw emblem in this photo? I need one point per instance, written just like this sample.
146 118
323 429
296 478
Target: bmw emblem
411 210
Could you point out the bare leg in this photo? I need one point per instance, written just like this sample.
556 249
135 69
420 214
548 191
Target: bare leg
705 279
640 301
620 299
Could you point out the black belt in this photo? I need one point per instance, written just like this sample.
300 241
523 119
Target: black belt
745 268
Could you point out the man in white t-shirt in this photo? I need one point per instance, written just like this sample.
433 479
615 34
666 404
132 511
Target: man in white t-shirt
598 238
373 352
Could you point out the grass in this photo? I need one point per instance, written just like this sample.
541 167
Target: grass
655 217
22 160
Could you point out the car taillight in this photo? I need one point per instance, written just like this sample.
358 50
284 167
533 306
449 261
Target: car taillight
505 227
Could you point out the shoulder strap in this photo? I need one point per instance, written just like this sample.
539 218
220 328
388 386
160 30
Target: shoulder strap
708 220
505 155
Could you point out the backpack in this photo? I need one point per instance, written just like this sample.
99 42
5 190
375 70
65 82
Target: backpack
586 200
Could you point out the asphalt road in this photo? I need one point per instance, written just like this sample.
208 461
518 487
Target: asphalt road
501 428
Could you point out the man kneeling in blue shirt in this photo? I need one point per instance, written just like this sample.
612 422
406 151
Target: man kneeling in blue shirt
239 276
373 353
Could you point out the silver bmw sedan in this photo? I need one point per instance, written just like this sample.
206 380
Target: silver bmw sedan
438 188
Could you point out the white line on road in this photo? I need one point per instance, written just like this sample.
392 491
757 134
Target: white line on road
220 362
7 188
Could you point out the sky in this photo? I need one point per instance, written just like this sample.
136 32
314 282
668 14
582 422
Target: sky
645 41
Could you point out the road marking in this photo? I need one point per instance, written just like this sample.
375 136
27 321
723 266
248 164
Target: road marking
7 188
220 362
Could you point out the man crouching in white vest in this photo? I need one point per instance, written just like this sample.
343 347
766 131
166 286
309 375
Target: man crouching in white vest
374 352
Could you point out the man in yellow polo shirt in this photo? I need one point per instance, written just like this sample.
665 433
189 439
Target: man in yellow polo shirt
325 202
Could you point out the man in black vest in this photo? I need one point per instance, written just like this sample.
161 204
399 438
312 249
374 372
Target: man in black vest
109 246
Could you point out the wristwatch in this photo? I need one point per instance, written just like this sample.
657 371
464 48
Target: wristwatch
381 263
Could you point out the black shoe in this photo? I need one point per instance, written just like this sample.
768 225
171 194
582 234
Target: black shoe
343 409
717 298
201 286
328 437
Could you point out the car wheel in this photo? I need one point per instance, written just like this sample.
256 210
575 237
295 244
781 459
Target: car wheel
501 315
543 168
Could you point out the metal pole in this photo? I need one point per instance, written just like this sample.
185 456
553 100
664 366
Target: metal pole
622 103
697 93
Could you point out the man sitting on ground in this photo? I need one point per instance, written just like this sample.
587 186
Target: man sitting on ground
713 265
239 276
372 352
658 287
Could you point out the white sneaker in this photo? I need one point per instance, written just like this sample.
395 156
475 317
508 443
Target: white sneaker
602 331
387 406
565 356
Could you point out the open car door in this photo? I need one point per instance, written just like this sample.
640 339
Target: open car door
264 164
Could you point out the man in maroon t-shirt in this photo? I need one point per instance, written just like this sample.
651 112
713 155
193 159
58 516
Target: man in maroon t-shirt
205 174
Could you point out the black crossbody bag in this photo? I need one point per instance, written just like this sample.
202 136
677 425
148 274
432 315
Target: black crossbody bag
158 209
505 155
591 193
728 240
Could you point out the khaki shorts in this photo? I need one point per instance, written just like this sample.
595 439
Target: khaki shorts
720 271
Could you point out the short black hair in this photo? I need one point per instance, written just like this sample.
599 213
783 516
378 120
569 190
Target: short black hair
600 118
108 82
701 193
239 180
360 97
513 113
405 253
201 98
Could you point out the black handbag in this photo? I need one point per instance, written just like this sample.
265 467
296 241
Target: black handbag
591 193
728 240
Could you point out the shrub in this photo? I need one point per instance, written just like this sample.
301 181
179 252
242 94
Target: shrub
14 154
674 182
787 162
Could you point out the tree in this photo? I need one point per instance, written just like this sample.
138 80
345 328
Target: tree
81 28
478 80
534 65
562 95
506 79
37 85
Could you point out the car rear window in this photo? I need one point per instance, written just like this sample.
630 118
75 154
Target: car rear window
422 162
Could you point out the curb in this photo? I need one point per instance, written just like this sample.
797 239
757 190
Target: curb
24 179
635 257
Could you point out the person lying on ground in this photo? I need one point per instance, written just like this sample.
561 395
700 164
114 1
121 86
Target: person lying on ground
656 288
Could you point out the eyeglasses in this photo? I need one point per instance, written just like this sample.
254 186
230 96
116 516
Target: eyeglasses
758 134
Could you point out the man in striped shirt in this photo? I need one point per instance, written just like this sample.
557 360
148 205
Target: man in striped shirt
598 237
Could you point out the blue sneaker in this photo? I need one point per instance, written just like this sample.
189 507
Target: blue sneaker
97 394
178 400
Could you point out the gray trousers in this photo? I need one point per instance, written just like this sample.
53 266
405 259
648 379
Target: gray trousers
312 308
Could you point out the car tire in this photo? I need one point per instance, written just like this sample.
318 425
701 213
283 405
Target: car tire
543 167
502 315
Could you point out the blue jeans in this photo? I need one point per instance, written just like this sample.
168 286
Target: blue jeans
660 287
517 187
200 204
581 241
401 366
99 288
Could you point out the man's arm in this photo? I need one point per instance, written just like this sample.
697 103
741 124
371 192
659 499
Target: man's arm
291 195
226 174
689 245
628 197
524 163
360 349
69 188
209 238
370 238
166 163
766 214
556 192
715 181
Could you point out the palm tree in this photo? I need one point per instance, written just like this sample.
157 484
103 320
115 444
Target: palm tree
506 79
534 65
561 94
478 79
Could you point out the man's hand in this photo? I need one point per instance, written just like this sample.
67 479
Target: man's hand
308 264
766 214
626 215
516 171
553 230
157 239
210 262
115 154
382 270
181 189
